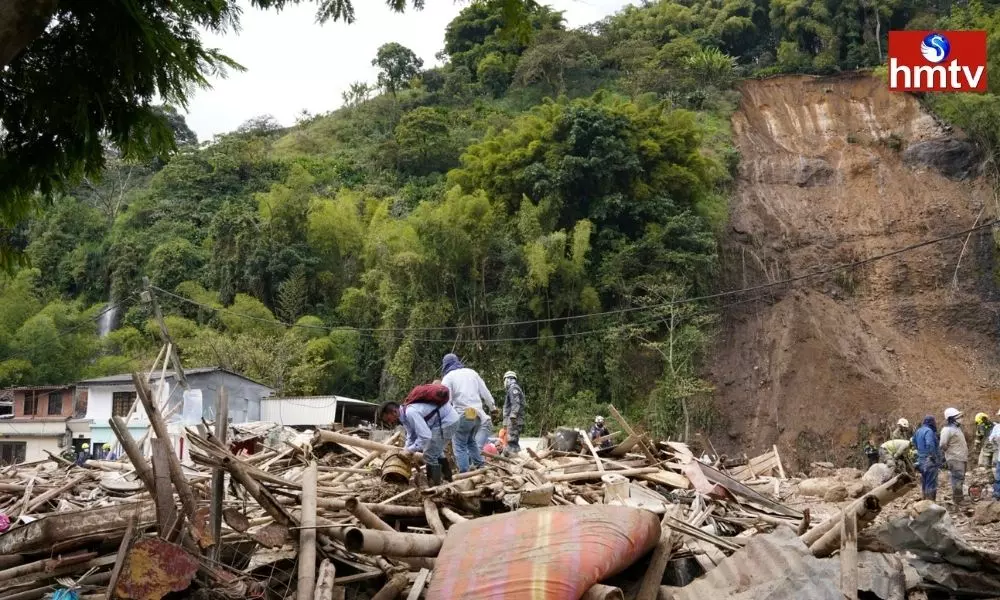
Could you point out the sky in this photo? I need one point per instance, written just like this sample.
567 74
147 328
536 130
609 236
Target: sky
293 63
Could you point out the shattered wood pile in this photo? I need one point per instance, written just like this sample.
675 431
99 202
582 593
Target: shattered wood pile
342 516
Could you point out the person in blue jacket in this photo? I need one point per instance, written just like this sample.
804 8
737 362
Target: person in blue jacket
925 440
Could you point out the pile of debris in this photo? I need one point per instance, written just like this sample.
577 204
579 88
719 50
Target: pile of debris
341 516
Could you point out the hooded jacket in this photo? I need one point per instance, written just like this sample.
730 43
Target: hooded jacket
926 441
953 444
468 390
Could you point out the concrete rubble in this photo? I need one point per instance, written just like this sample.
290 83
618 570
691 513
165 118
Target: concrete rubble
336 515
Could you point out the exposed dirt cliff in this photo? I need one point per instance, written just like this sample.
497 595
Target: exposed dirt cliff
835 170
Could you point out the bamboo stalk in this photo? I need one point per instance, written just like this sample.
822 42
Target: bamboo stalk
605 592
849 558
451 515
47 564
379 509
365 515
661 556
142 468
598 474
41 500
884 493
351 440
307 536
324 582
219 475
160 428
371 541
433 517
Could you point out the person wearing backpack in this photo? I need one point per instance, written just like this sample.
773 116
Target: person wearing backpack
468 395
429 420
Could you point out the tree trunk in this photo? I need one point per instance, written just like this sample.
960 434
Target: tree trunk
21 21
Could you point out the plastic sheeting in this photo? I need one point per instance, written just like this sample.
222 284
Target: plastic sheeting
554 553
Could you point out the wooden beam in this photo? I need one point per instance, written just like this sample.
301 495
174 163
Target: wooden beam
307 536
219 475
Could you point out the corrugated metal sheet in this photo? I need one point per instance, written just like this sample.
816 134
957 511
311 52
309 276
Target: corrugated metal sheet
314 410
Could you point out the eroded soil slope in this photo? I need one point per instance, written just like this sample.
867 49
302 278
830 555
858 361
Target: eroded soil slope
831 172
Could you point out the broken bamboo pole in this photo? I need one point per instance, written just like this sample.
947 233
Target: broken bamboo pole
434 517
41 500
365 515
371 456
606 592
46 564
418 585
885 493
452 516
865 513
391 510
324 436
219 475
393 588
134 453
566 477
123 549
307 536
849 557
166 510
658 564
160 428
324 581
386 543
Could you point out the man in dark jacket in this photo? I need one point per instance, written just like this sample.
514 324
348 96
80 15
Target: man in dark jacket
925 440
513 413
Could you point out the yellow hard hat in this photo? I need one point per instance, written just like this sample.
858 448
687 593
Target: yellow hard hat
85 446
982 417
106 446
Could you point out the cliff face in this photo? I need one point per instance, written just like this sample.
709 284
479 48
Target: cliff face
834 171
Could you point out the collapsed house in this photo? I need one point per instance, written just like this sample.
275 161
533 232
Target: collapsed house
267 512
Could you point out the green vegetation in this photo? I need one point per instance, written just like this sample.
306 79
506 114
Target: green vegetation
539 203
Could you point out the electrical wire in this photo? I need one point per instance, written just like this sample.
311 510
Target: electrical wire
714 296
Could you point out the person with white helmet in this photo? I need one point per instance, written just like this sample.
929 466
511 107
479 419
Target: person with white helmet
956 452
513 413
598 431
903 431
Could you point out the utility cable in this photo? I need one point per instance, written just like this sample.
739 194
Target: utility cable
723 294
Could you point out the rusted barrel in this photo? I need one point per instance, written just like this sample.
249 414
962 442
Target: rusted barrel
395 470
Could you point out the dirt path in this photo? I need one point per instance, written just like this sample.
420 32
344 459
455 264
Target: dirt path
823 181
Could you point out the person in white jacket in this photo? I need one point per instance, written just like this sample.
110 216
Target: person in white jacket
955 449
469 396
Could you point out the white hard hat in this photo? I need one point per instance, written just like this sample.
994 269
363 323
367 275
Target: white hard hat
952 412
903 423
598 419
510 375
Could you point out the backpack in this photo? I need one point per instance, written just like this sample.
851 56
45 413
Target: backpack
428 393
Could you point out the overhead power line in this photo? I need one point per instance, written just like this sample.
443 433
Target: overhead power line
472 327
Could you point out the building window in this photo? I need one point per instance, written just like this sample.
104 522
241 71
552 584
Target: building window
55 403
30 404
6 408
12 452
121 403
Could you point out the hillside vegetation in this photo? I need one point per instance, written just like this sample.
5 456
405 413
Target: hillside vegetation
538 203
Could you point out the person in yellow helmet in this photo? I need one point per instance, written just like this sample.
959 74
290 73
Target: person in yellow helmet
982 444
83 454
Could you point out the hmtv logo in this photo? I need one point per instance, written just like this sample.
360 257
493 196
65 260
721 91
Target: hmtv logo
937 61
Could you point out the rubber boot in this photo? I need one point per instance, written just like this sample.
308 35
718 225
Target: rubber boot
445 469
434 474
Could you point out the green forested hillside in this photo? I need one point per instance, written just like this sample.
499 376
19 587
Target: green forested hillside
538 203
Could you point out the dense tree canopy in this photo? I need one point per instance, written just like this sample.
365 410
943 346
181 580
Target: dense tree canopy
539 202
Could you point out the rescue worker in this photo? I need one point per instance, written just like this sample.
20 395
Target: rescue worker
903 431
598 430
926 442
894 454
513 413
428 427
469 395
871 450
995 440
955 450
83 454
982 445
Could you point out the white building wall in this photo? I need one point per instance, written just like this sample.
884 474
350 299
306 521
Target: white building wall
319 410
34 447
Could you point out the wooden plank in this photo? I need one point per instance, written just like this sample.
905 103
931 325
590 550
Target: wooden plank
120 558
307 536
418 585
166 509
781 469
324 582
590 446
668 478
623 448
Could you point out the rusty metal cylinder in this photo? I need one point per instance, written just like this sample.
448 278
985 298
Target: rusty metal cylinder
396 470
